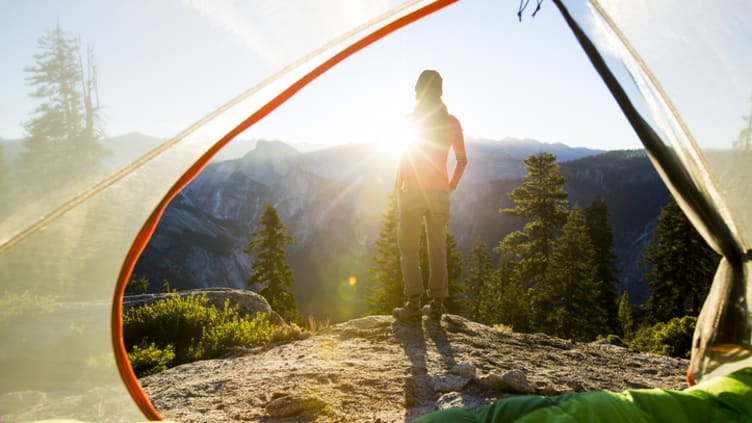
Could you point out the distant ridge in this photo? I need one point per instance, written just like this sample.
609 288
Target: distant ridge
521 148
133 144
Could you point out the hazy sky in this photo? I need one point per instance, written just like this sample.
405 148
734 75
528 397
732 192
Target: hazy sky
164 64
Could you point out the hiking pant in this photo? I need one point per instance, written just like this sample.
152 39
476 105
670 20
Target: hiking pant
416 208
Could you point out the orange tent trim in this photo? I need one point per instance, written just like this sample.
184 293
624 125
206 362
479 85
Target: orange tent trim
142 239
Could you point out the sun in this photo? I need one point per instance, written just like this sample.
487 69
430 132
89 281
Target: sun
394 137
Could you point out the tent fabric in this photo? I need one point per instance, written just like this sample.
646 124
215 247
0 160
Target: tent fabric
723 399
690 167
62 254
146 231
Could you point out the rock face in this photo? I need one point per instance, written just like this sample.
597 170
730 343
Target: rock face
249 303
375 370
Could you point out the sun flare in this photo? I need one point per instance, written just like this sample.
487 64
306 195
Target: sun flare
396 137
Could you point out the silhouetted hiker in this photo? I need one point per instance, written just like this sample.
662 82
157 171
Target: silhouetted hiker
423 188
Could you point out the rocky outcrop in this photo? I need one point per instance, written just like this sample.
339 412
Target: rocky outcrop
249 303
375 370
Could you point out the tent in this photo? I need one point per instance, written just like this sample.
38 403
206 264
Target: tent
675 68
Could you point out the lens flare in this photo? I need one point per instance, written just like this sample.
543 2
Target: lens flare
352 280
347 292
396 137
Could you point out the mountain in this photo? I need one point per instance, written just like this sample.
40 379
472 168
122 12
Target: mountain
332 202
123 149
119 150
521 148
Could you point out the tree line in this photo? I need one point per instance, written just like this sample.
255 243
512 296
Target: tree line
557 275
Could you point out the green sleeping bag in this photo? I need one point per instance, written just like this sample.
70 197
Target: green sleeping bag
722 399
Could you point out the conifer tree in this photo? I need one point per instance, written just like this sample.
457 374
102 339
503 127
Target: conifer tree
542 201
270 268
599 228
455 304
681 267
62 137
386 273
513 305
567 302
512 301
480 283
626 321
525 255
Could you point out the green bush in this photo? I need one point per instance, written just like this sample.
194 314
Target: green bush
673 338
150 360
616 340
242 332
190 329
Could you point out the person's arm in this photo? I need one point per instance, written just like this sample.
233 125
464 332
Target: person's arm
458 145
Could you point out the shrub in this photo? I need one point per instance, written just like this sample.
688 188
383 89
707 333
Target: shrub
150 360
315 325
501 327
190 330
673 338
287 333
616 340
241 332
136 285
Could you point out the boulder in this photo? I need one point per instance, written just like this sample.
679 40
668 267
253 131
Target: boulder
513 381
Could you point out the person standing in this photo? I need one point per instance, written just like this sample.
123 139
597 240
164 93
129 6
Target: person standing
423 189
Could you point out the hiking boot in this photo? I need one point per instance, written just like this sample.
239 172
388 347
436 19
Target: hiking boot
434 309
410 313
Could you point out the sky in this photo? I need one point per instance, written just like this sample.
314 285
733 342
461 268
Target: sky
164 64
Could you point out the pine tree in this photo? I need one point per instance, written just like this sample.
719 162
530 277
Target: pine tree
566 303
542 201
626 321
599 228
680 265
62 137
525 255
56 76
455 304
270 269
512 302
386 273
480 283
